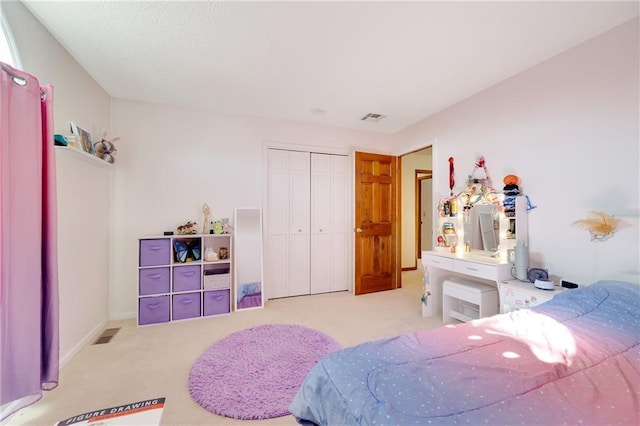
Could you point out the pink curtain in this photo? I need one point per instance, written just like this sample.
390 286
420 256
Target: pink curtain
29 337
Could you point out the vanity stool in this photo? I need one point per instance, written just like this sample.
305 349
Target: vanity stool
468 300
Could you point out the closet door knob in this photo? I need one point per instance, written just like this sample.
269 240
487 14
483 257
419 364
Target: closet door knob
358 230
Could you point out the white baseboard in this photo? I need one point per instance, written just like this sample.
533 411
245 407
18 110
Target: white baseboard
123 316
88 338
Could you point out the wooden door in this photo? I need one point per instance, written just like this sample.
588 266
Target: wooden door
375 219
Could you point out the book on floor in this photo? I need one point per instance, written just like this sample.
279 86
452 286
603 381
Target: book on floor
141 413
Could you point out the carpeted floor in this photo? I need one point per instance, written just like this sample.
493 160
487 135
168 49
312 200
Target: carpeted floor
253 374
155 361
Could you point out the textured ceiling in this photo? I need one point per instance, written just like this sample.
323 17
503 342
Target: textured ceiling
321 62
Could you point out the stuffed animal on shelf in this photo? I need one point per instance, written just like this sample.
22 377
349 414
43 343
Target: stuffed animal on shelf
217 227
226 228
105 149
188 228
206 211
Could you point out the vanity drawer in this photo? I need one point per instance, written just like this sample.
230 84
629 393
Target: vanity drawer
186 278
154 280
438 262
154 252
474 269
186 305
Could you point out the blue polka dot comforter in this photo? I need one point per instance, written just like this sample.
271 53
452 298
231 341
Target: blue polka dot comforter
574 360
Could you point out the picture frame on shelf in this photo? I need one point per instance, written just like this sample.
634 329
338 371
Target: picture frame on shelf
84 137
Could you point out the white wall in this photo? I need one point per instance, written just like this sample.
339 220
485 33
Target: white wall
83 188
171 161
569 128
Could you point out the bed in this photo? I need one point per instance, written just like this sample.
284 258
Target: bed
573 360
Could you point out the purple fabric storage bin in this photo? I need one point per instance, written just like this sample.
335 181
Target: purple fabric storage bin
154 280
216 302
155 252
153 310
186 278
186 305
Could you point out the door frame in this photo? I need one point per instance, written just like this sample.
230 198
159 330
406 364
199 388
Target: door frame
433 143
426 174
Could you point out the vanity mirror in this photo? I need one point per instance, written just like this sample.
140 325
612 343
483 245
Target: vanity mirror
482 228
482 220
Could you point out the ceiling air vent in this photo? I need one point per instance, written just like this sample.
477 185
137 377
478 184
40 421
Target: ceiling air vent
373 118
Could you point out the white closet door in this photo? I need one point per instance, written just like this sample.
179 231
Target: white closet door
320 223
329 223
340 223
277 246
287 266
299 208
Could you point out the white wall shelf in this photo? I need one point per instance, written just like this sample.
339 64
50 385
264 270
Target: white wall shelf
65 150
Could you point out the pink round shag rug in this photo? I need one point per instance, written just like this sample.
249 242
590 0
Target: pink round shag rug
255 373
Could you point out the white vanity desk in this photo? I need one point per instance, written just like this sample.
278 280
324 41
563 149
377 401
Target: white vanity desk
475 267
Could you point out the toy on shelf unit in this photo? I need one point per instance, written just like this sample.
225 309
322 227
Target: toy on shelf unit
105 149
223 253
218 226
187 250
210 255
188 228
226 228
205 217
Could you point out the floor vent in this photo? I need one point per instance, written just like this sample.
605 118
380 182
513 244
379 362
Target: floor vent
106 336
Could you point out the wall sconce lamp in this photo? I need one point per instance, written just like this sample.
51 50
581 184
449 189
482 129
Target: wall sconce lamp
600 225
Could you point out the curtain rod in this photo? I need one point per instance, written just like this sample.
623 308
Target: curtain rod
17 78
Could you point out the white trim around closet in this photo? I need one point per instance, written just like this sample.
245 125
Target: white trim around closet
311 149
